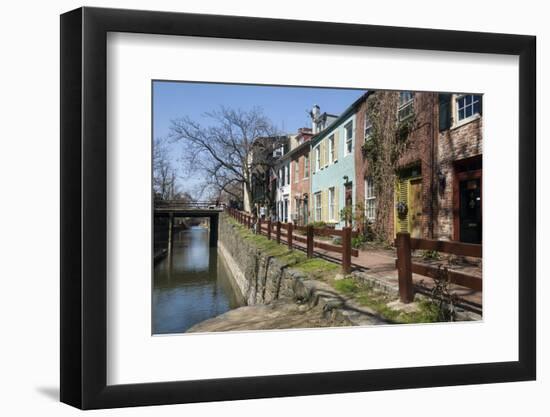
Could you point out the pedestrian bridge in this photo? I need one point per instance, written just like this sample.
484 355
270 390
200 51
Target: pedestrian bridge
183 208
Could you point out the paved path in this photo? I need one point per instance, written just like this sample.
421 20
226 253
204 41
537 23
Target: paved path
276 315
379 264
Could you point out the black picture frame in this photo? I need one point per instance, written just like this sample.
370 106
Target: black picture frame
84 207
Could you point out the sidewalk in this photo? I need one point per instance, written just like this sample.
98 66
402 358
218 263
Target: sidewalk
379 265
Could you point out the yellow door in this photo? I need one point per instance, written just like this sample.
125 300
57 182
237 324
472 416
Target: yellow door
415 207
409 219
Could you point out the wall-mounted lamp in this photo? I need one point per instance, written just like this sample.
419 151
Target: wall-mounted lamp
346 178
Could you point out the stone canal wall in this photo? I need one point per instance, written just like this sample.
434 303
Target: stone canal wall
260 278
271 289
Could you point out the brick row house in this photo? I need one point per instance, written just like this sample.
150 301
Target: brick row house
437 188
436 174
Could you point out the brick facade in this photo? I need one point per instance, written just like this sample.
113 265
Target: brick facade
457 144
419 155
300 184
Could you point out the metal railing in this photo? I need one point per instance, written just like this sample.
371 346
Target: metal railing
188 205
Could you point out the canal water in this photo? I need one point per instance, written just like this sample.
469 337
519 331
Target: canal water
192 285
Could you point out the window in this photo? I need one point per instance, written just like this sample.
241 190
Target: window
467 106
296 171
306 166
317 159
318 206
405 105
327 152
331 149
348 132
281 178
368 127
370 199
331 204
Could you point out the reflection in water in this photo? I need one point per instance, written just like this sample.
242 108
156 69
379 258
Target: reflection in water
192 285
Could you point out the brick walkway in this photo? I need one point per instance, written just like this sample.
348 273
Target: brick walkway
379 265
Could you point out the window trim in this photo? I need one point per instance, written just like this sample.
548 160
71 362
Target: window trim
456 122
317 158
370 198
367 120
331 143
318 199
403 106
331 203
350 140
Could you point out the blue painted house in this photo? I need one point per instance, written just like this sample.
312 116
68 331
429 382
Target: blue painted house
333 167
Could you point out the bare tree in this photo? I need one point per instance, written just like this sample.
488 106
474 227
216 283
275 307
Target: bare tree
164 174
224 150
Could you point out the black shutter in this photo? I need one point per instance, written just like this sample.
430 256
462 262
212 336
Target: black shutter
444 111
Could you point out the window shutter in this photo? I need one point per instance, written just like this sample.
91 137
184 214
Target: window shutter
336 141
402 222
444 111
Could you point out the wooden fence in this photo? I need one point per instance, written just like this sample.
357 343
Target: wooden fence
405 267
286 232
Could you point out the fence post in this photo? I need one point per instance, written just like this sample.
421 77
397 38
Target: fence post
404 268
289 235
269 229
309 235
260 226
346 250
278 232
248 221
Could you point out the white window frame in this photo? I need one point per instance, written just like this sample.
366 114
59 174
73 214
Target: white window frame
368 128
405 107
473 116
306 166
318 206
296 170
331 203
370 199
331 141
348 140
280 179
317 158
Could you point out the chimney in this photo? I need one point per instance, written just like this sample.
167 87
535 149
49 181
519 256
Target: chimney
315 112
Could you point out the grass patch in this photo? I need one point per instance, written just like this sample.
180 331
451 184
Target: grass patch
366 295
317 267
347 286
272 248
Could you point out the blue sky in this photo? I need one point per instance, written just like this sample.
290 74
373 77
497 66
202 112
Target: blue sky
286 107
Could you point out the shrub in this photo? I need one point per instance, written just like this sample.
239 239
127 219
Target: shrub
317 224
357 242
